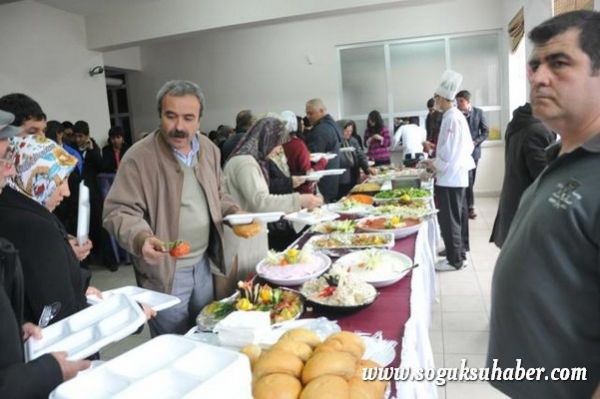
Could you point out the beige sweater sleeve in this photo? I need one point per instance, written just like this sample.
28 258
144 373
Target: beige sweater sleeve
248 180
124 209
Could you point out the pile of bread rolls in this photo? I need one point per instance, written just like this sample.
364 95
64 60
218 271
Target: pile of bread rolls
299 365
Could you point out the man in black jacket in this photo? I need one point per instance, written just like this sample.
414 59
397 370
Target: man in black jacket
243 121
524 159
324 137
479 133
35 379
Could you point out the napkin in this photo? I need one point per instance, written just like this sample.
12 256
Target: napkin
242 328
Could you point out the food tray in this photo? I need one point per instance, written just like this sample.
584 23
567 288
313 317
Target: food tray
245 218
349 241
400 232
156 300
392 268
168 366
355 210
316 156
295 274
347 149
310 218
88 331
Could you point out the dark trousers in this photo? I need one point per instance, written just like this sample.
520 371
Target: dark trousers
451 201
470 196
464 227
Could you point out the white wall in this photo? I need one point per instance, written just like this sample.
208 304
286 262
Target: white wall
127 58
264 67
44 55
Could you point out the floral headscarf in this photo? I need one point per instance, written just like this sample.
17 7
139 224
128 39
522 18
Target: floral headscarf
41 167
261 139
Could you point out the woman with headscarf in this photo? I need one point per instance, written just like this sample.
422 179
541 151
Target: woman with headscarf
50 269
247 181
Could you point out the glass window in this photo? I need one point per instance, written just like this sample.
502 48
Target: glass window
477 59
122 105
363 80
415 70
493 121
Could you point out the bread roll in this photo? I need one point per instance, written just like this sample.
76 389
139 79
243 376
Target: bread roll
361 389
349 341
303 335
298 348
341 364
326 387
276 361
246 230
253 352
277 386
364 363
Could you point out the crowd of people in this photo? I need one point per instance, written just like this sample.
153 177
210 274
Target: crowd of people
547 224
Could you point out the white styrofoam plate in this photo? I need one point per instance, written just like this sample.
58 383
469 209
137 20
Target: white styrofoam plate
168 366
316 156
86 332
156 300
290 275
347 149
245 218
317 175
393 266
316 216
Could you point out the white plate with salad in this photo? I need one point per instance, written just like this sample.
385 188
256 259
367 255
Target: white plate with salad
336 226
292 266
378 267
349 207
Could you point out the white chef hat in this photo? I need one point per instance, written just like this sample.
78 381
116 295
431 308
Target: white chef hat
291 123
449 85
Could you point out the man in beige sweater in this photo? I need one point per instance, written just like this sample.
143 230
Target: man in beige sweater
167 188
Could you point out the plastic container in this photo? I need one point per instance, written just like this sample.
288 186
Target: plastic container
245 218
88 331
168 366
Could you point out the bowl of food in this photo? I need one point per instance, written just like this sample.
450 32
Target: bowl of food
349 207
402 195
293 266
378 267
397 225
284 304
338 226
340 291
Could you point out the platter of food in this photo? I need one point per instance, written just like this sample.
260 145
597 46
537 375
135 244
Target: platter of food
368 187
337 226
405 211
349 207
397 225
375 266
333 242
403 195
283 304
339 290
293 266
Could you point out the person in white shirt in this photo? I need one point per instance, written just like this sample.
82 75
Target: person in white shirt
409 138
452 164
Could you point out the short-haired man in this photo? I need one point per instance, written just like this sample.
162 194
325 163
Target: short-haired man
433 121
546 286
243 121
324 137
28 113
452 164
168 188
479 133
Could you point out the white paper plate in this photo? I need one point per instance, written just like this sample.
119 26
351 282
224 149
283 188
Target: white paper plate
88 331
398 233
394 266
294 274
245 218
314 176
156 300
314 217
168 366
347 149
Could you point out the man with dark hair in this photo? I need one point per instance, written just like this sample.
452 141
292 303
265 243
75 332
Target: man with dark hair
92 165
433 121
546 284
479 133
68 133
243 121
28 113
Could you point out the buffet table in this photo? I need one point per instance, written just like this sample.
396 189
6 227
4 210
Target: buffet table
403 311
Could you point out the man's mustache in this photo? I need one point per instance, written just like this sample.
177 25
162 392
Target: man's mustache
178 134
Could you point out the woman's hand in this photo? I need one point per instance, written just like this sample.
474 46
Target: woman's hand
310 201
31 330
93 291
297 181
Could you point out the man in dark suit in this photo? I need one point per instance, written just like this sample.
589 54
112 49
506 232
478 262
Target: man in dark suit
479 133
525 158
324 137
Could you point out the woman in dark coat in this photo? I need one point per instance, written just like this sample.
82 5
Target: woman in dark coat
51 270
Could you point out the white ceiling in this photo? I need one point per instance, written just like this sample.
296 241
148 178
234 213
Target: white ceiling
89 7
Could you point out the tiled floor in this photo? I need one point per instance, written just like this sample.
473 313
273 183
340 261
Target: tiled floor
460 324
